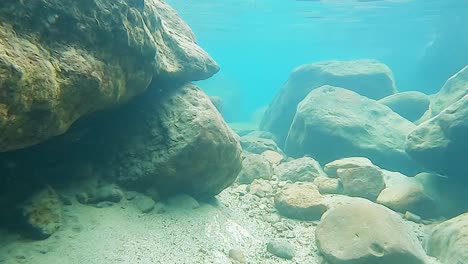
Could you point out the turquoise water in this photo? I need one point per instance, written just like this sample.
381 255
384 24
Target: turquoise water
258 42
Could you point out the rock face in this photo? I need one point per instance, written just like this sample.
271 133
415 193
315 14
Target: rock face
179 143
333 123
63 59
366 77
299 170
448 241
255 166
300 201
364 232
410 105
453 90
441 143
365 182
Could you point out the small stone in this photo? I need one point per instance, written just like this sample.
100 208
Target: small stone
346 163
273 157
274 218
255 166
365 182
237 255
281 248
144 203
412 217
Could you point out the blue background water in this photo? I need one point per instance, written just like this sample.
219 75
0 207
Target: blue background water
258 42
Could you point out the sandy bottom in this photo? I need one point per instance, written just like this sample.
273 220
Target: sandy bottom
122 234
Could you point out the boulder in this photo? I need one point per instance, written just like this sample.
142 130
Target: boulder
410 105
273 157
448 241
333 123
453 90
304 169
366 77
364 232
441 143
64 59
328 185
255 166
179 143
345 163
365 182
300 201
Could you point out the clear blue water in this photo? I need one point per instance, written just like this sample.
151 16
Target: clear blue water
258 42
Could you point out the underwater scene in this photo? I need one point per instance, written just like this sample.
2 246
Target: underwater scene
234 131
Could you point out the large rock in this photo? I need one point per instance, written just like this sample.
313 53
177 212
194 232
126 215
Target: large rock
448 241
304 169
441 143
333 123
364 232
255 166
300 201
346 163
258 145
366 77
410 105
179 143
453 90
63 59
365 182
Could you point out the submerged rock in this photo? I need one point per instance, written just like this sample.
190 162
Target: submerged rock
144 203
448 241
42 214
327 185
410 105
453 90
300 201
255 166
258 145
281 248
369 78
346 163
407 194
179 143
304 169
260 188
333 123
365 182
106 193
64 59
364 232
441 143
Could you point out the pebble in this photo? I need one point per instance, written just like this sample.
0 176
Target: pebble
237 255
281 248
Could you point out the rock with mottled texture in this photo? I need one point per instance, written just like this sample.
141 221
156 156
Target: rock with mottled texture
328 185
300 201
369 78
258 145
273 157
304 169
260 188
441 143
42 214
364 232
179 143
255 166
345 163
333 123
410 105
365 182
448 241
63 59
281 248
